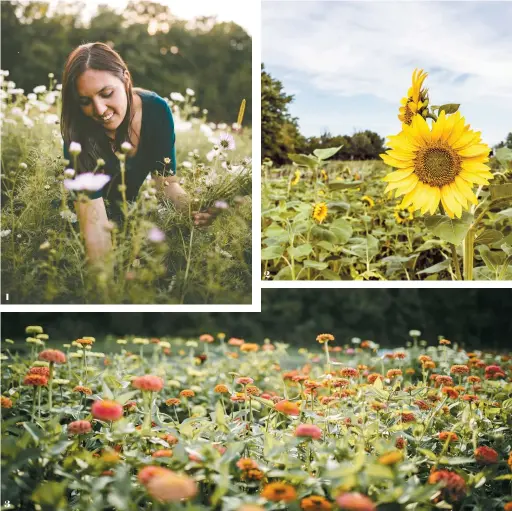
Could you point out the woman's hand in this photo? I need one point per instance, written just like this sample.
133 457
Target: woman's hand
172 190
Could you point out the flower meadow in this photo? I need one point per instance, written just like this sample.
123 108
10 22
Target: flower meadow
224 423
159 254
325 220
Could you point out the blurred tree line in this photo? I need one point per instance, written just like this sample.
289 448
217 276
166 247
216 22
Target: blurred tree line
506 143
162 52
280 132
475 318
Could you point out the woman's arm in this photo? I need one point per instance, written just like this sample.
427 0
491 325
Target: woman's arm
92 216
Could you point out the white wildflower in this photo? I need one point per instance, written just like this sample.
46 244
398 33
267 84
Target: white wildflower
68 215
189 92
39 89
5 233
176 96
187 164
75 148
87 181
156 235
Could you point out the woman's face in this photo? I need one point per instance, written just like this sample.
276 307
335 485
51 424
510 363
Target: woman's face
102 96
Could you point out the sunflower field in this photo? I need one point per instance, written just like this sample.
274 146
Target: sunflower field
159 255
444 213
221 423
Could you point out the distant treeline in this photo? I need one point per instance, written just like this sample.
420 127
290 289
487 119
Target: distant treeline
162 53
474 318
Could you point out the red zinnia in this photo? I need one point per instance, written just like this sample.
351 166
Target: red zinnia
486 455
107 410
308 431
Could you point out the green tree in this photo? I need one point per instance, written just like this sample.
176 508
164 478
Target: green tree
279 131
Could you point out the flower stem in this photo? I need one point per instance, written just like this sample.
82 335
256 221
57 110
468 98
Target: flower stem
469 242
50 388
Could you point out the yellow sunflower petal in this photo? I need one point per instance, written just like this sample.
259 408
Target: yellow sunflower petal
437 127
447 210
475 166
465 189
451 201
472 177
436 197
394 163
407 200
465 139
459 197
457 131
407 185
475 150
398 175
421 127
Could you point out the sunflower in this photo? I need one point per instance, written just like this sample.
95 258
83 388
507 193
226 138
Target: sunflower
296 179
403 215
416 98
368 200
320 212
438 164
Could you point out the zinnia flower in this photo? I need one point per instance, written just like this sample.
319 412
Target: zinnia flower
82 390
416 98
486 455
187 393
43 371
279 492
246 464
321 338
308 431
320 212
171 487
437 165
355 502
444 435
315 503
146 473
148 382
36 380
79 427
287 407
454 486
162 453
206 338
5 402
55 356
107 410
459 369
221 389
244 380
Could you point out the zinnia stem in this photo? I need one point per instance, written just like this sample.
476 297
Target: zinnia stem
50 387
34 404
328 358
146 425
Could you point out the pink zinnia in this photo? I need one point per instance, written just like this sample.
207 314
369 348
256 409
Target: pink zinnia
79 427
55 356
148 382
107 410
244 380
308 430
355 502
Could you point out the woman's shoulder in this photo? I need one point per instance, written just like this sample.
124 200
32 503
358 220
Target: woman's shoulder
152 98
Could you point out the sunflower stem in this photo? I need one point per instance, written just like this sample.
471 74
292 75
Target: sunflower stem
456 263
469 242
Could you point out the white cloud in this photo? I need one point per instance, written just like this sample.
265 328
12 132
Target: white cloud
353 48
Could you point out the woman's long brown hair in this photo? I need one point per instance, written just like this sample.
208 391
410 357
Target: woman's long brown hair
75 125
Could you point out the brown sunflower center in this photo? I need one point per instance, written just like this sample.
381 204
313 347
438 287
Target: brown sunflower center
437 165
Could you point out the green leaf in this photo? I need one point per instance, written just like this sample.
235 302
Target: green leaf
326 246
456 460
285 273
107 393
273 252
330 275
493 260
342 229
377 471
315 264
488 237
302 159
340 185
506 213
503 191
428 453
504 155
436 268
220 418
449 108
274 230
324 234
449 229
124 398
301 250
50 495
324 154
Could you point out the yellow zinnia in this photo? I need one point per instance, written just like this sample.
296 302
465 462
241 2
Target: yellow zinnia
416 98
320 212
438 164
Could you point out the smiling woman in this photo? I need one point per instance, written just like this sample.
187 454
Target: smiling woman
102 116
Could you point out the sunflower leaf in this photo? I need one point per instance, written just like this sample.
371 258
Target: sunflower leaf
302 159
503 191
339 185
324 154
449 229
504 155
488 237
436 268
449 108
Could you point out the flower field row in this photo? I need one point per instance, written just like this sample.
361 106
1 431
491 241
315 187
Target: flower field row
218 423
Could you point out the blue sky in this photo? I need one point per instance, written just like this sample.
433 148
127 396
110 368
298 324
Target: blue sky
348 64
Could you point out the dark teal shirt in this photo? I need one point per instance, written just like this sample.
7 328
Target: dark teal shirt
157 141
